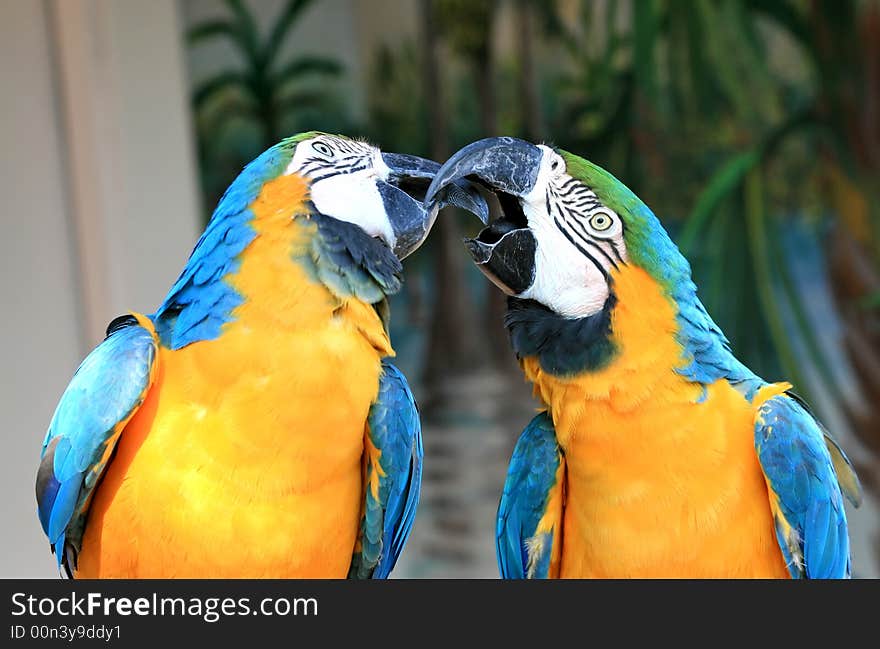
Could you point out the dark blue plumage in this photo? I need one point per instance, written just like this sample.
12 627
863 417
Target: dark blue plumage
105 391
350 262
395 431
564 346
531 477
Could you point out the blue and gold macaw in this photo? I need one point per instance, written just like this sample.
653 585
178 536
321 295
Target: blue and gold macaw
252 426
658 453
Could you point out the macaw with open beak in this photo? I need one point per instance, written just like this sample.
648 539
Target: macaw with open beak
658 453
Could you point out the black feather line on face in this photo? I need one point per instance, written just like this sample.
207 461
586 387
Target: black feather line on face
587 203
582 250
338 172
355 161
549 208
349 164
570 213
310 165
616 252
604 253
345 145
570 217
567 188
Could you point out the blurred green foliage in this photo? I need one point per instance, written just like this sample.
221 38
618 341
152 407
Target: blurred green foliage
247 108
730 118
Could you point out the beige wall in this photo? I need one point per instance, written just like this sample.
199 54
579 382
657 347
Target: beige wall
99 209
40 326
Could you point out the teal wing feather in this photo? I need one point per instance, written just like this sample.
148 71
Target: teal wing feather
106 390
395 430
531 481
799 467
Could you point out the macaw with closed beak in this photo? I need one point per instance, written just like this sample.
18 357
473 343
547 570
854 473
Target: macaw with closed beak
252 425
658 453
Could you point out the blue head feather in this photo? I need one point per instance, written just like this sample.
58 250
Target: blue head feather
200 302
706 351
342 256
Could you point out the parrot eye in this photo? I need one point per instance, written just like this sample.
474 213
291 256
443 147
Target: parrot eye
556 164
600 221
323 149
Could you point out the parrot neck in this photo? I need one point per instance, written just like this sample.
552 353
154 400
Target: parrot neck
640 327
271 249
643 344
563 346
705 353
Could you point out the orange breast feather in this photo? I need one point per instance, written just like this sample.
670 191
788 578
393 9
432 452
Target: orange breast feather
657 485
245 459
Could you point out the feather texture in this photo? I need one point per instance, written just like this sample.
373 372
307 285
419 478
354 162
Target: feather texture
393 477
530 512
106 390
229 440
679 460
805 498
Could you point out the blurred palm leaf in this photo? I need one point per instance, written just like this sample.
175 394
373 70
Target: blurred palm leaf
259 96
265 80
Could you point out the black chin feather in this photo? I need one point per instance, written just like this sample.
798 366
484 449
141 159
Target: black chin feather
563 346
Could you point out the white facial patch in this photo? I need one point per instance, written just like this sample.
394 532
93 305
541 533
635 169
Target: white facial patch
579 241
343 175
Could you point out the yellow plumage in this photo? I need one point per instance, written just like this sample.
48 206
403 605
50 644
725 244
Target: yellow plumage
656 485
246 458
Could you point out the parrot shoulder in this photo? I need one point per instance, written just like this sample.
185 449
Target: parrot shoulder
103 395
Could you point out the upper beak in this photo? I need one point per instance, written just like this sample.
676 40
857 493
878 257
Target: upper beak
505 164
504 251
403 193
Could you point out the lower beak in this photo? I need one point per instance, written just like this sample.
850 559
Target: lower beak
509 261
403 193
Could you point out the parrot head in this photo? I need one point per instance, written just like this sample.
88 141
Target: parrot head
567 235
566 224
363 210
381 193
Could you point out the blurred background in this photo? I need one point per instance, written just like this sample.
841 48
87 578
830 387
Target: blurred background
751 127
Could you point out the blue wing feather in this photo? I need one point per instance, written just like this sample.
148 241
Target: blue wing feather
395 430
531 479
106 390
808 506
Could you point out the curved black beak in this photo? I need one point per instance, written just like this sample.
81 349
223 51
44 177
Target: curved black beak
504 251
403 193
505 164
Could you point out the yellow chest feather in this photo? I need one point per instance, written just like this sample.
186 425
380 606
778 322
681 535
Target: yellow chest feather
657 485
245 459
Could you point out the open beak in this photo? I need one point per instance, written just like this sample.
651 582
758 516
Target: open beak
505 250
403 193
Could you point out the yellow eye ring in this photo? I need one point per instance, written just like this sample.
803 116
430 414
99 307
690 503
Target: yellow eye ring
601 221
